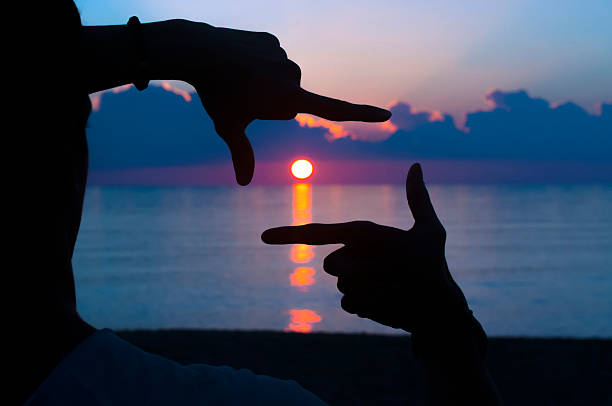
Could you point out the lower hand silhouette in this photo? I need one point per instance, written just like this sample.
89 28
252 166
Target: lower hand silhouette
395 277
242 76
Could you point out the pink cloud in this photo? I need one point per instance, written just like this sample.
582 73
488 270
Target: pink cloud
183 93
354 130
334 130
96 98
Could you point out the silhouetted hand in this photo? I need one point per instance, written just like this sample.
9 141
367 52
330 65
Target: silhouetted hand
395 277
242 76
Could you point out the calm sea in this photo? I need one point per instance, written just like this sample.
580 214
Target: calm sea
532 260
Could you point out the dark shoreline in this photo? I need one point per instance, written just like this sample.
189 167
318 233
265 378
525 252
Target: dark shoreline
365 369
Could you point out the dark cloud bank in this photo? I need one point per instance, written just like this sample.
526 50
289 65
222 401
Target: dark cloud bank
520 138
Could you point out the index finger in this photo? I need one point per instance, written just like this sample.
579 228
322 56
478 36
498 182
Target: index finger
321 234
338 110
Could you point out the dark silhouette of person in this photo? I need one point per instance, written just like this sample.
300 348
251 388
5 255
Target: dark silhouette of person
54 63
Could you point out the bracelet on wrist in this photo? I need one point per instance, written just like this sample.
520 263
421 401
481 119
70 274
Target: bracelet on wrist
141 66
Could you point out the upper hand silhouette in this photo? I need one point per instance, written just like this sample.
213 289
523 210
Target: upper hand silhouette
395 277
242 76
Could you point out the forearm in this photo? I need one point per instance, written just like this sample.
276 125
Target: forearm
111 53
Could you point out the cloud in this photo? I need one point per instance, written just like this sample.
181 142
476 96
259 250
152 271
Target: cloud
517 126
334 130
404 118
353 130
518 100
523 127
158 128
153 128
96 98
183 93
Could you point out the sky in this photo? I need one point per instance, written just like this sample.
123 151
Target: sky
507 90
433 55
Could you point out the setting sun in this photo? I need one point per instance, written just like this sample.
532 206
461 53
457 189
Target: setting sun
301 168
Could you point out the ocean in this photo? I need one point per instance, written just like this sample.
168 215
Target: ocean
532 260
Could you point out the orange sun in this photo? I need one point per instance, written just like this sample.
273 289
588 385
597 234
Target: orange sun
301 168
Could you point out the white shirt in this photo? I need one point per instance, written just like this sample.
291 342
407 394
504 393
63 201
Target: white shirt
106 370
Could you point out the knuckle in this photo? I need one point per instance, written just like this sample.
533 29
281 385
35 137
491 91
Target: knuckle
363 224
282 52
361 229
435 231
365 228
440 232
346 305
294 70
328 263
271 38
296 67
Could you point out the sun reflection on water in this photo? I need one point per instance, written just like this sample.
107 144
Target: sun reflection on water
302 320
302 203
302 277
302 214
301 253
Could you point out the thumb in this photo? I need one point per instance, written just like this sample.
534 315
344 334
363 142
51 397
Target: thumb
242 153
418 197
